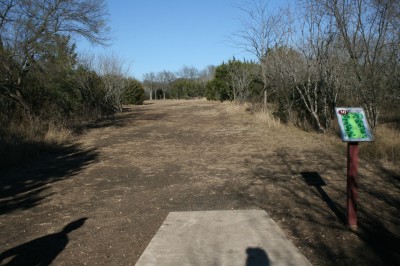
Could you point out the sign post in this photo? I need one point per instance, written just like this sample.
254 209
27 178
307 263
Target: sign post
352 184
353 128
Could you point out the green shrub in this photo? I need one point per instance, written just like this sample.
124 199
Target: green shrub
134 92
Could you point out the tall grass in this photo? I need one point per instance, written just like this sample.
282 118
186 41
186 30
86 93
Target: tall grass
22 140
266 118
386 145
263 116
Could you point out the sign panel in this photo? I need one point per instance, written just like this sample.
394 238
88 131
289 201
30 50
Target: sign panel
353 124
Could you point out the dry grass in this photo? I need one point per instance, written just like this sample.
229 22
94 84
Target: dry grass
232 107
57 134
386 145
265 117
262 115
35 130
20 141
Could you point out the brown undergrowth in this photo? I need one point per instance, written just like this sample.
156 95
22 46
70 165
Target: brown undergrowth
384 147
23 140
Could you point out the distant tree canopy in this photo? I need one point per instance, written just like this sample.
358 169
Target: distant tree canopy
235 81
187 83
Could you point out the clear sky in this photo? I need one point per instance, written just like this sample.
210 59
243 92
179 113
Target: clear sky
156 35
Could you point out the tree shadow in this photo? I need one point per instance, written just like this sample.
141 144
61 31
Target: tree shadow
27 186
391 175
257 257
280 183
40 251
129 115
313 179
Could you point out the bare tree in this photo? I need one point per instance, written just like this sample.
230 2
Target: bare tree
343 50
189 72
165 79
29 27
305 68
207 73
114 73
261 31
241 75
370 35
317 81
149 82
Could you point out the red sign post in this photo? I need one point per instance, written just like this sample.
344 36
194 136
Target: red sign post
352 184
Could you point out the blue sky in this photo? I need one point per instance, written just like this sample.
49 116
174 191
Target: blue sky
156 35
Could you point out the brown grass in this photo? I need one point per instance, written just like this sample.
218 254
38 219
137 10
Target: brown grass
57 134
262 115
386 145
232 107
20 141
23 140
265 117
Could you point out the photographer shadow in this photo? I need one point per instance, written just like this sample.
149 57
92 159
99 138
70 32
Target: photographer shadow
40 251
257 257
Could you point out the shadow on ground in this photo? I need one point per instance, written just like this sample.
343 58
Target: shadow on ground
28 186
257 257
25 184
40 251
313 179
305 192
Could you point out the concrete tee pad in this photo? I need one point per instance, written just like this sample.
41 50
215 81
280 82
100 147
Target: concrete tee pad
237 237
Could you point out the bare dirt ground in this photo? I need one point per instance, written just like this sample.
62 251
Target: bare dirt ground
100 200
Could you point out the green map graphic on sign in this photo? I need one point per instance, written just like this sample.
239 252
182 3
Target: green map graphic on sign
353 124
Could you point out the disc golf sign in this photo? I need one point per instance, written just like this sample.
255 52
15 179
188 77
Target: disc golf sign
353 124
353 128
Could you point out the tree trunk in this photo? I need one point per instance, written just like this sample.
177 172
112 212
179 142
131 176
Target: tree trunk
265 98
317 120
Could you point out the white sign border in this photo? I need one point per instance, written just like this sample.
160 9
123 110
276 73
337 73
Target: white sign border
343 134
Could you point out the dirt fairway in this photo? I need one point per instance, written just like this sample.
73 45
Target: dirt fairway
100 200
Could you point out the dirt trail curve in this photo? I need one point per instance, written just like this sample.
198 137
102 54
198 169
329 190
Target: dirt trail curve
100 201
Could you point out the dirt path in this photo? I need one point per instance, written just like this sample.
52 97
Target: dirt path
116 185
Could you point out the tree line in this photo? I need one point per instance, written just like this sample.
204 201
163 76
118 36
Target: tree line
187 83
